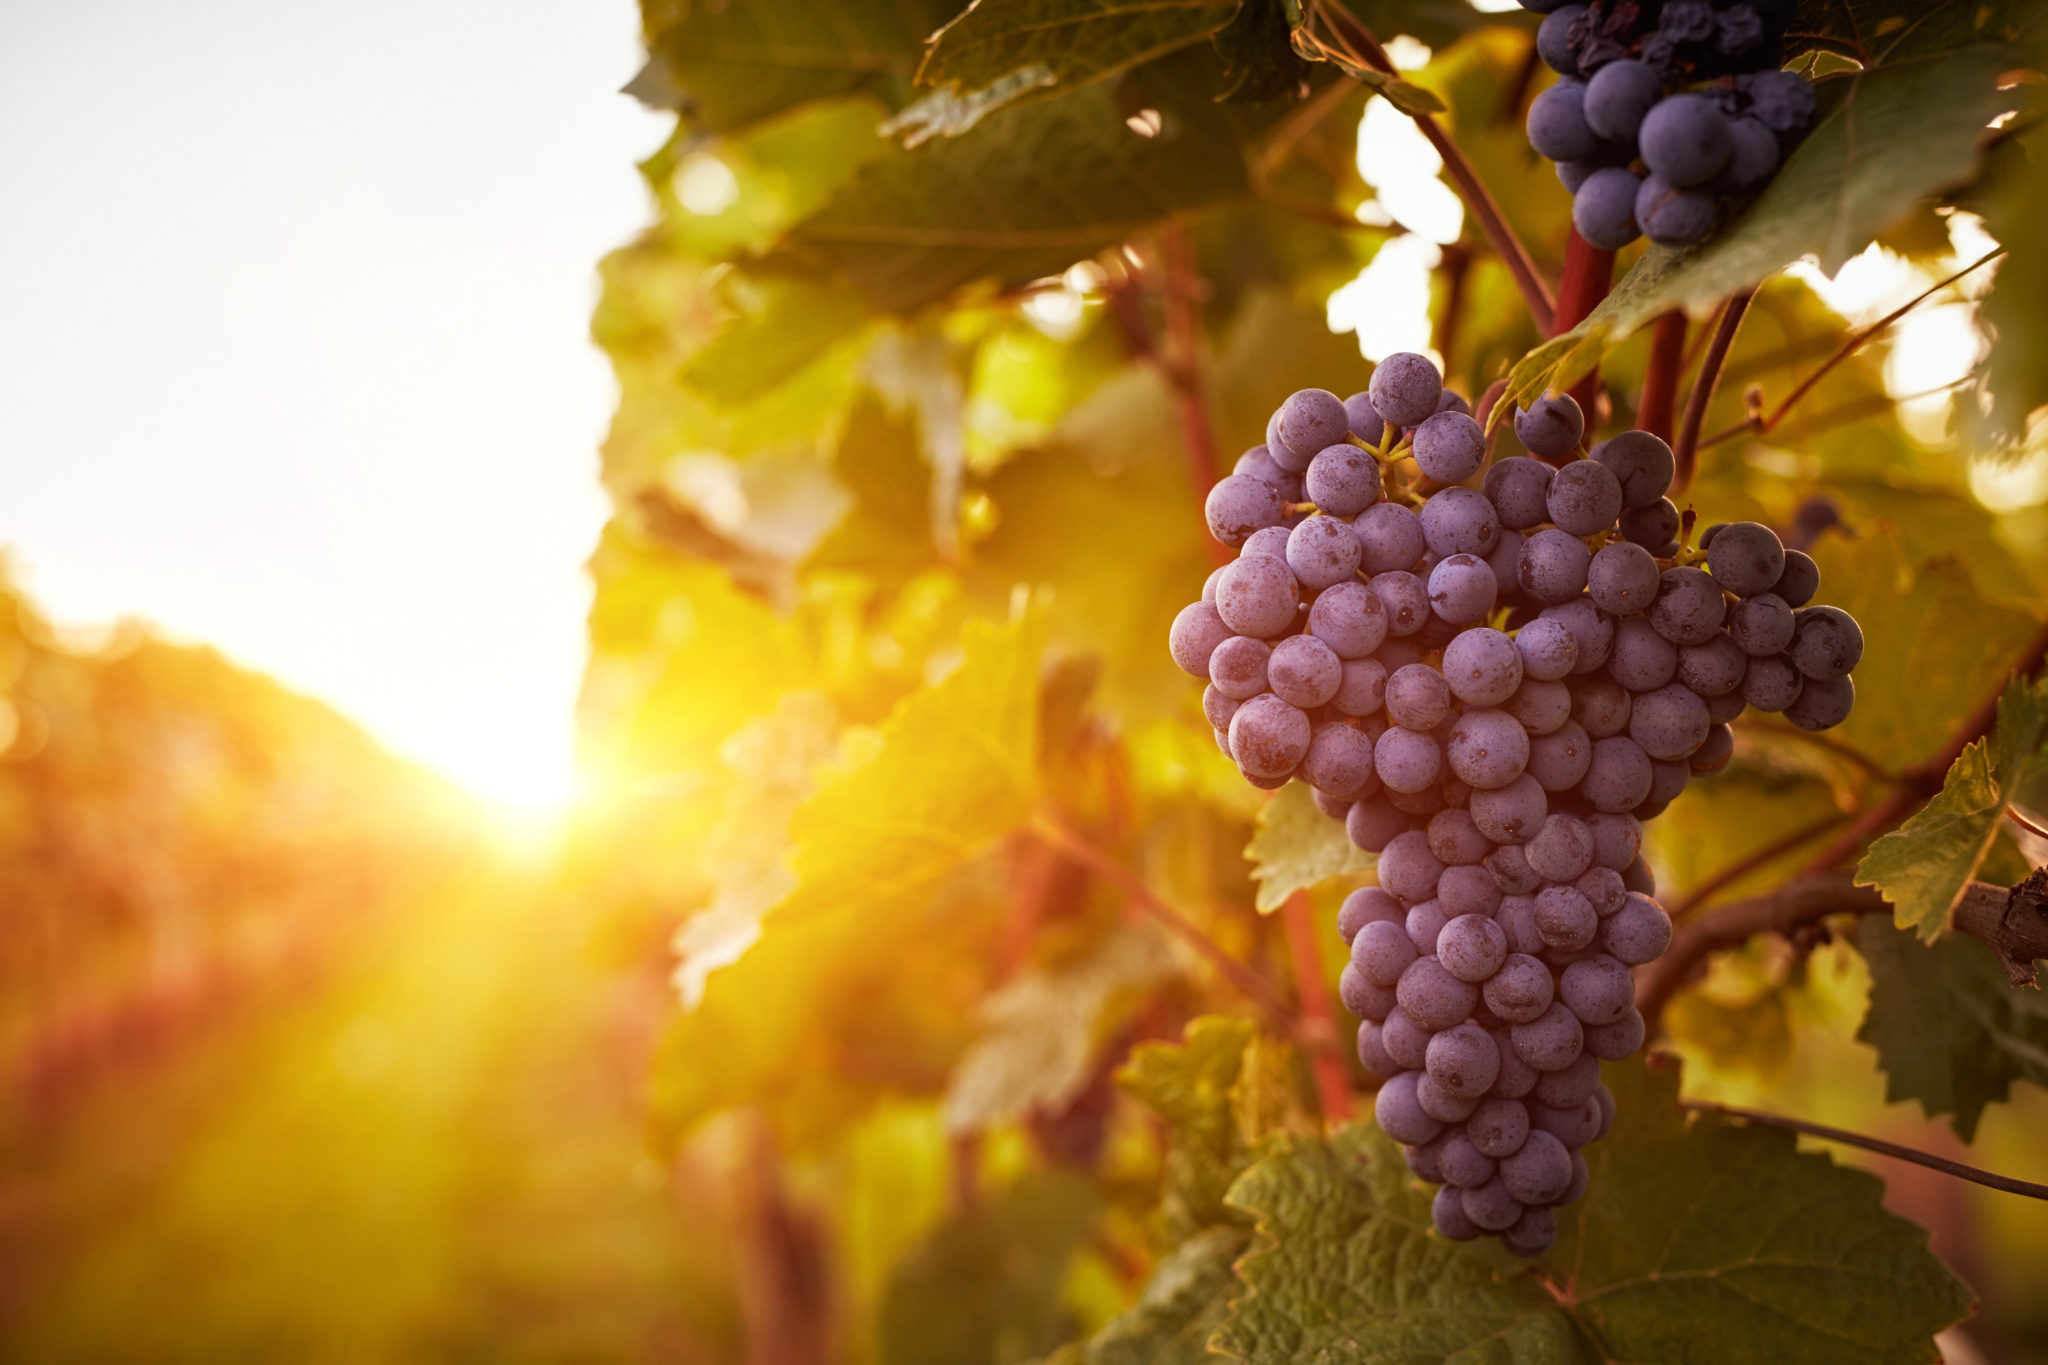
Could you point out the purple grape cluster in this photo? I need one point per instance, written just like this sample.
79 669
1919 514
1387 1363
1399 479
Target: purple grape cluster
1659 111
1491 673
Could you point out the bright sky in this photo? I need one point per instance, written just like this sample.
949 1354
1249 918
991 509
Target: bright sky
294 302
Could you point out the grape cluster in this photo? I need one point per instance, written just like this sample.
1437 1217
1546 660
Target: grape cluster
1660 110
1492 686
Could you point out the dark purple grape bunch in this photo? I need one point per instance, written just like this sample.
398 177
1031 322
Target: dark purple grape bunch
1492 686
1661 112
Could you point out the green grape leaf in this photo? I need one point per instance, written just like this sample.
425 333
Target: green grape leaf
726 66
1030 190
781 325
986 1285
1875 31
1073 41
1345 1269
1043 1030
1923 866
1702 1241
1295 846
1182 1302
1191 1086
886 530
1882 139
2016 369
1258 49
1949 1029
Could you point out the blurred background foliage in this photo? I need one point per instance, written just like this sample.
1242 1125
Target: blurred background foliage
888 1001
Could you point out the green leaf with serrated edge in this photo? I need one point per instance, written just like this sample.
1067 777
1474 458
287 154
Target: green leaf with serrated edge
730 65
986 1285
1189 1084
1874 31
1296 846
1345 1268
1043 1029
1949 1029
1179 1307
1924 865
787 324
1051 182
1075 41
949 773
1702 1241
2016 366
886 531
1882 139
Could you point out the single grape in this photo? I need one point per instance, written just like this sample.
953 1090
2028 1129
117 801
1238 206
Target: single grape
1622 578
1601 886
1362 997
1343 480
1452 402
1572 174
1823 703
1456 841
1491 1207
1542 707
1366 905
1550 1042
1564 918
1553 565
1761 625
1551 427
1642 660
1638 877
1196 633
1616 1041
1406 1041
1421 804
1258 463
1447 1214
1585 498
1557 126
1772 684
1685 140
1531 1234
1604 208
1268 738
1472 947
1373 1054
1464 1166
1238 667
1539 1172
1511 870
1570 1126
1752 158
1521 989
1390 538
1827 644
1459 521
1517 919
1519 489
1363 419
1405 599
1339 760
1618 779
1642 463
1405 388
1573 1085
1482 667
1217 709
1257 595
1654 527
1322 551
1432 997
1272 540
1553 40
1463 1061
1597 989
1505 559
1421 1157
1559 760
1382 951
1746 558
1517 1078
1671 216
1239 505
1592 630
1466 889
1639 932
1462 589
1714 668
1425 922
1617 839
1800 581
1618 96
1418 697
1689 607
1407 868
1309 421
1449 447
1723 710
1560 849
1487 749
1507 814
1440 1104
1349 618
1498 1127
1363 688
1602 706
1304 672
1400 1114
1713 755
1548 648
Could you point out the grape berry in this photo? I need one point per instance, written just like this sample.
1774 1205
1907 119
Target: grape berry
1491 688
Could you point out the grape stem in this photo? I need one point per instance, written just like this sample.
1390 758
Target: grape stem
1749 863
1757 424
1255 987
1656 410
1318 1020
1357 42
1989 1179
1984 912
1685 450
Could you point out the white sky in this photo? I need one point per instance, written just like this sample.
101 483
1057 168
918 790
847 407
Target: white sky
294 306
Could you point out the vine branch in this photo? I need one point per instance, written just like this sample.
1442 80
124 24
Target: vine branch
1655 412
1364 50
1989 1179
1749 863
1318 1025
1685 450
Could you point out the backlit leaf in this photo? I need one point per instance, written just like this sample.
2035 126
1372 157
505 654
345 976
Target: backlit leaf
1296 847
